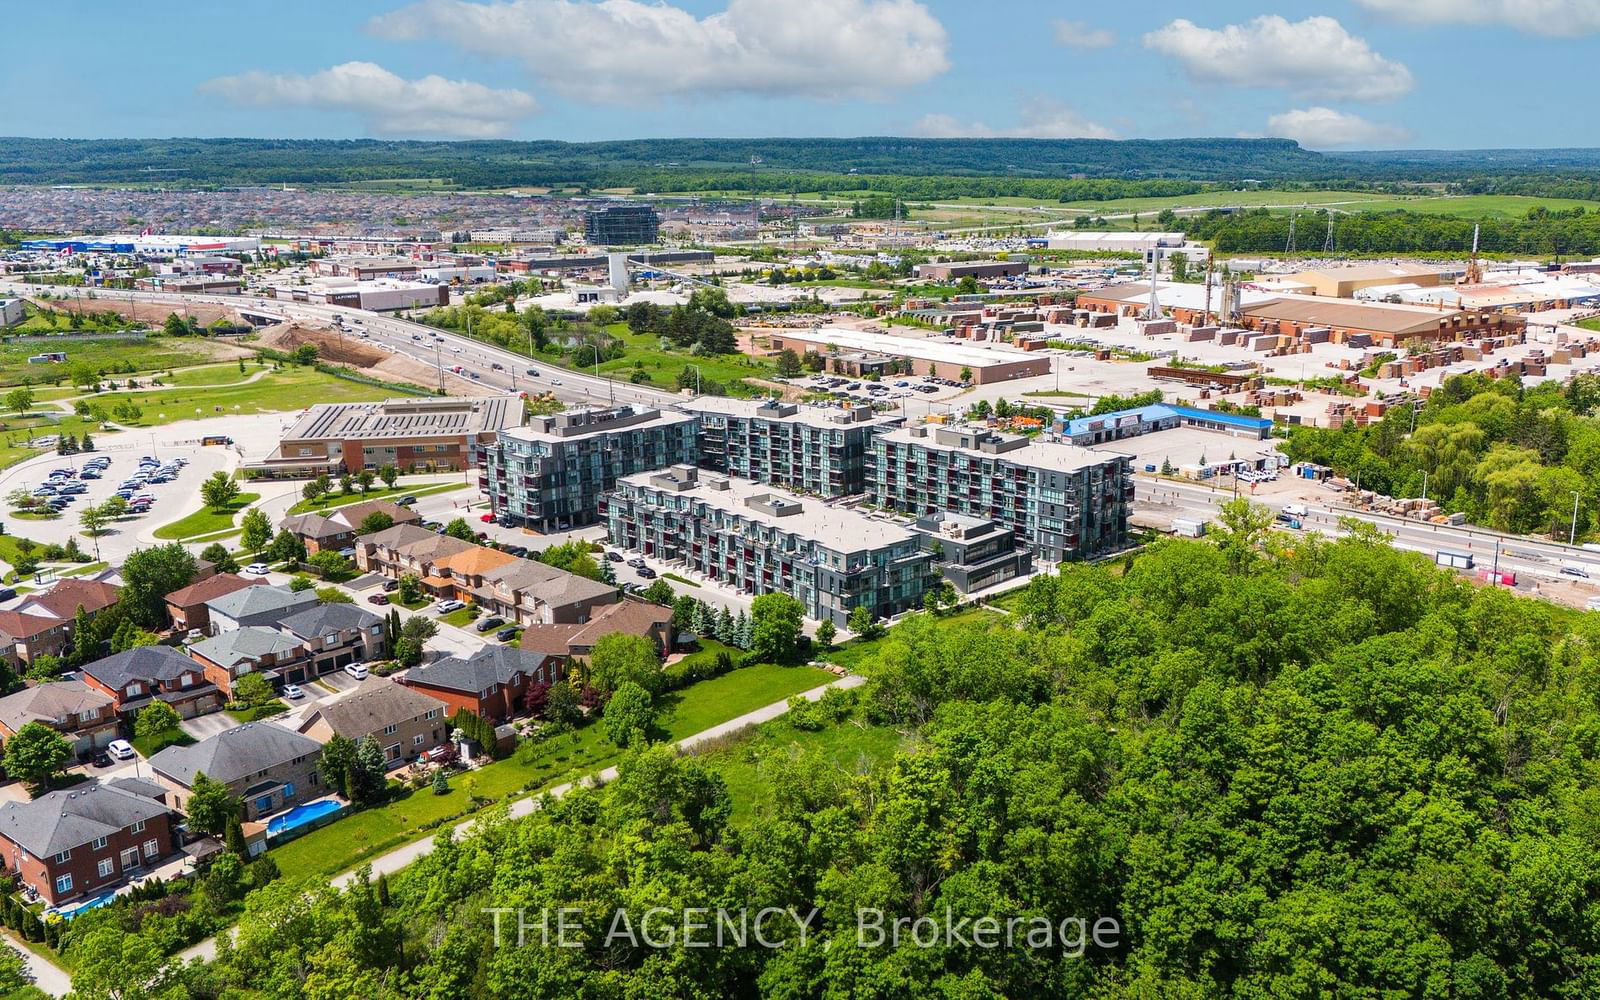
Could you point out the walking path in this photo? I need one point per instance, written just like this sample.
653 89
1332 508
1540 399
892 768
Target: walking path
400 857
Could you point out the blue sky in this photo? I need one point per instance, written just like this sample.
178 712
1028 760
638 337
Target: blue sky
1340 74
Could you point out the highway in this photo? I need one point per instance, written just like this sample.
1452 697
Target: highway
1531 559
395 334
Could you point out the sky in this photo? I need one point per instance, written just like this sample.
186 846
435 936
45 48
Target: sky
1343 74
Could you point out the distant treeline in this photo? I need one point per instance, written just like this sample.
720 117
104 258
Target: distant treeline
1543 233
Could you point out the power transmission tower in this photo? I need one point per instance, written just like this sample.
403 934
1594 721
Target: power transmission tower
1328 244
1288 247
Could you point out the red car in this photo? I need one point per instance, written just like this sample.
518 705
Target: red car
378 599
487 518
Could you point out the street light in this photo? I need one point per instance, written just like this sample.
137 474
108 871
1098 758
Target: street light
1572 538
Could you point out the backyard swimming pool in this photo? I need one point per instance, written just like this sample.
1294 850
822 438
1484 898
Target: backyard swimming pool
301 815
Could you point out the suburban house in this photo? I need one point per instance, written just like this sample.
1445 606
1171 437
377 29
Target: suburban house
520 590
85 840
642 618
85 716
490 682
137 677
253 649
42 623
403 720
338 528
255 606
336 635
268 766
187 606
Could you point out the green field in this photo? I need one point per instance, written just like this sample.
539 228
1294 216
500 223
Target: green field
150 355
663 366
289 389
744 764
369 832
15 432
207 520
376 493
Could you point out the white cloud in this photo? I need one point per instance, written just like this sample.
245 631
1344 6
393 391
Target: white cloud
390 105
1038 120
624 51
1078 35
1551 18
1314 58
1325 128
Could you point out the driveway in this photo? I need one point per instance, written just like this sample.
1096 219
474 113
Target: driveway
210 724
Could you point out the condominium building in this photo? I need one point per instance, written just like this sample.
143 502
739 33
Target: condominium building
762 541
551 473
621 223
822 450
1063 501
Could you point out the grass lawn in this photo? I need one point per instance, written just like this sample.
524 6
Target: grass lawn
376 493
850 746
150 355
853 653
218 375
663 366
421 602
370 832
16 432
174 737
678 579
460 618
256 714
1592 323
34 515
290 389
207 520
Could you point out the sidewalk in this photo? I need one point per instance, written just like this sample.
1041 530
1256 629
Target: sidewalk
400 857
48 976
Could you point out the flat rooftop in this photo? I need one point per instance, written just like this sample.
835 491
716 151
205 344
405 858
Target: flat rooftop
922 348
838 528
1039 452
571 425
803 413
1188 445
397 419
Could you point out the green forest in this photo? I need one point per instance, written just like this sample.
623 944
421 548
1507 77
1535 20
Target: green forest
1510 457
1568 231
1284 767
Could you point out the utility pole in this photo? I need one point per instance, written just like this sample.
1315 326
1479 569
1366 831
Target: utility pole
1572 537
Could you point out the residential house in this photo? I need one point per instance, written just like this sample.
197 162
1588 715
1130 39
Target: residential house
42 623
255 606
405 721
490 682
85 716
337 529
405 549
529 592
85 840
275 655
270 767
459 574
187 605
336 635
633 617
137 677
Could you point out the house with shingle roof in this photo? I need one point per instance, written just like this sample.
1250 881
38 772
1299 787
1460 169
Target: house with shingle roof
253 649
490 682
405 721
256 606
85 716
85 840
187 607
270 767
338 528
134 678
42 623
336 635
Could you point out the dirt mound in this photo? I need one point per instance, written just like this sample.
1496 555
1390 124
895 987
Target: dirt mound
153 313
336 348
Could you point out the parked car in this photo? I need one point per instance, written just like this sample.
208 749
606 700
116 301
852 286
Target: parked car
293 692
257 569
508 633
100 759
120 749
357 670
613 556
449 606
378 599
485 624
646 572
637 562
487 518
390 586
7 593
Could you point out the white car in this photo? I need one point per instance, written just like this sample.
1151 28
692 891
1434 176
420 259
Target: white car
357 670
120 749
293 692
257 569
449 606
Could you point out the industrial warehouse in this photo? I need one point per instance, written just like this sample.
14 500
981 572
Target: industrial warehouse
859 352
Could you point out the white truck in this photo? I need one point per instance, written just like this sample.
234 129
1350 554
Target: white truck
1295 510
1454 560
1188 527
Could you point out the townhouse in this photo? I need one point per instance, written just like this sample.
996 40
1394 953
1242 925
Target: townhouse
42 623
337 529
551 473
276 656
85 716
86 840
631 616
1064 502
405 721
255 606
269 767
760 540
140 676
186 606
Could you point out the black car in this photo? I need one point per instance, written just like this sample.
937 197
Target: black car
100 759
613 556
390 586
514 550
7 593
507 634
485 624
406 501
646 572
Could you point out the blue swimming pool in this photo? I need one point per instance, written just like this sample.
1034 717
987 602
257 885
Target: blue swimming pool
84 907
301 815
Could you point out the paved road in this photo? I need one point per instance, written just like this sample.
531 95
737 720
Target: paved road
48 976
388 864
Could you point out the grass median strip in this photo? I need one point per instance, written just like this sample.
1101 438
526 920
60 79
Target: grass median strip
207 520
